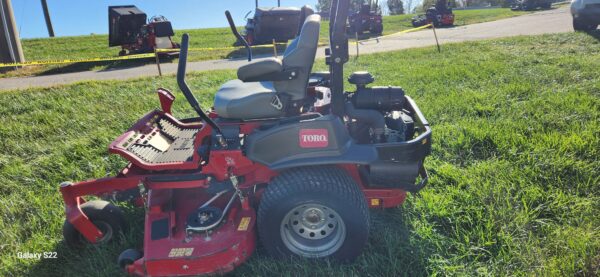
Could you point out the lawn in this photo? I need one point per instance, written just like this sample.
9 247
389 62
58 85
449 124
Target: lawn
81 47
515 186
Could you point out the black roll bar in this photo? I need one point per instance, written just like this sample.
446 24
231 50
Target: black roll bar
339 53
186 89
237 35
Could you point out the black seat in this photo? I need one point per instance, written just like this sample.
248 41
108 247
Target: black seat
264 88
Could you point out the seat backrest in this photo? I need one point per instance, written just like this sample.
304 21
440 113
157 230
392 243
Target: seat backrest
301 54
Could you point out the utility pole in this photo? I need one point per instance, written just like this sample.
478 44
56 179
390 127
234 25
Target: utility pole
10 43
47 17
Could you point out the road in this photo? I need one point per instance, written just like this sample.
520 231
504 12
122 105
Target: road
544 22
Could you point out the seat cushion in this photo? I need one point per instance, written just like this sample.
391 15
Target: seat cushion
252 100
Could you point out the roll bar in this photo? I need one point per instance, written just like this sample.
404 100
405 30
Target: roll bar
186 89
338 53
237 34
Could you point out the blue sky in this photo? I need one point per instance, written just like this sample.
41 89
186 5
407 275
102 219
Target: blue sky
83 17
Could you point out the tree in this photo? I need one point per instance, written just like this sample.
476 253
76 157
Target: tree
432 3
323 5
395 6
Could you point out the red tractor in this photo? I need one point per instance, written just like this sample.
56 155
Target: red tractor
284 155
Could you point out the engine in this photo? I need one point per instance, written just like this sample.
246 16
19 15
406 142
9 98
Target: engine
377 114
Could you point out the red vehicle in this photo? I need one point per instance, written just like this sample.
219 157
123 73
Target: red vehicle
368 18
284 155
127 27
440 16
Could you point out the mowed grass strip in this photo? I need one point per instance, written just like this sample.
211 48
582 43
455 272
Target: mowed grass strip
92 46
515 186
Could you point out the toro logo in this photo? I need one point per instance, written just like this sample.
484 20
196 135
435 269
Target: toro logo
314 138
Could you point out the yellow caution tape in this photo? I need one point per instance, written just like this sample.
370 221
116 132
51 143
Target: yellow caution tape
152 55
397 33
130 57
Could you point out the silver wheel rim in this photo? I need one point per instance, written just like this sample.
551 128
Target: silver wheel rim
313 230
105 228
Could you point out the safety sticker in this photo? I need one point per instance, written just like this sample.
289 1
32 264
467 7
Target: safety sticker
375 202
244 223
180 252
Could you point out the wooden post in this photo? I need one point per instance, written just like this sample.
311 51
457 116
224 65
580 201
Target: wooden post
436 38
275 48
356 37
157 62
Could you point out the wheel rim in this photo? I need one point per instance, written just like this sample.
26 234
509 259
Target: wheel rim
313 230
105 228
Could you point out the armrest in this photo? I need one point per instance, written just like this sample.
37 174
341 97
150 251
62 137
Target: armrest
270 69
259 68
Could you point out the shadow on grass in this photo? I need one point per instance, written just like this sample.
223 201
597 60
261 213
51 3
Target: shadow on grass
104 66
93 260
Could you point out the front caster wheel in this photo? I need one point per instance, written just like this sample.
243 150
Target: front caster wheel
106 216
128 257
313 212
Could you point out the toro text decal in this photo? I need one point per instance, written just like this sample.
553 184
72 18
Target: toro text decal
314 138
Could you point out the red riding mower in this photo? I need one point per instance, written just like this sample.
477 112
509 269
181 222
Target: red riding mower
127 28
284 154
368 18
440 16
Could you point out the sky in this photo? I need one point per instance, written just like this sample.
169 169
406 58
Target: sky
84 17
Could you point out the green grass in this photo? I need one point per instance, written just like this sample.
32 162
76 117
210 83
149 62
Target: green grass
515 169
81 47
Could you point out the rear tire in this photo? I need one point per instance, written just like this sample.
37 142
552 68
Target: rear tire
579 25
376 30
313 212
106 216
128 257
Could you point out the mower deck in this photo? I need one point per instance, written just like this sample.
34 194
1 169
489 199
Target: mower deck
171 251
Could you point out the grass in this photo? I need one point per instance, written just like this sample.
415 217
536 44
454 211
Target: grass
81 47
515 186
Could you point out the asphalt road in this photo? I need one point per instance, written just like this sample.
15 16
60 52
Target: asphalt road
551 21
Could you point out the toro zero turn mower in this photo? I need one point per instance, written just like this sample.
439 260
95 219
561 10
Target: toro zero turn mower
368 18
127 27
439 15
284 157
